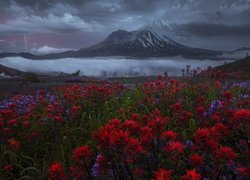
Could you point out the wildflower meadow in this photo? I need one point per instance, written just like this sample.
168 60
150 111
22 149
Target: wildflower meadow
190 129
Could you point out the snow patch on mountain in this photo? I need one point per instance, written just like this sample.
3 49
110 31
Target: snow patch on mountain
143 43
141 39
48 50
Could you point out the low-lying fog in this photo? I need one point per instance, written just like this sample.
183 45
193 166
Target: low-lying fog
107 67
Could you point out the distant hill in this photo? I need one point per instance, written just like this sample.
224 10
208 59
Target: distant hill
243 48
241 66
10 71
38 57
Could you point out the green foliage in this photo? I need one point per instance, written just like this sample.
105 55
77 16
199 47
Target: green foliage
31 77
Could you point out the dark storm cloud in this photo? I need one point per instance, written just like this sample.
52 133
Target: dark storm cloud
115 11
181 18
209 29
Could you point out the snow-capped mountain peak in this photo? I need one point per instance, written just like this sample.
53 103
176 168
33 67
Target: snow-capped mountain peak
142 39
141 43
120 36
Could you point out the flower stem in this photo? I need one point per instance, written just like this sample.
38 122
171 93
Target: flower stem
126 165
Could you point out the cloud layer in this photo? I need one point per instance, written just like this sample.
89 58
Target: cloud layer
102 67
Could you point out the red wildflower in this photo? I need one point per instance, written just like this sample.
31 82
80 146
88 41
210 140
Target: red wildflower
200 110
211 145
227 95
163 174
8 168
1 123
12 122
196 159
217 84
14 144
6 131
58 119
56 172
82 153
218 131
225 154
229 113
119 139
170 135
135 117
176 107
201 134
216 118
77 172
157 124
26 117
146 135
12 106
206 140
242 115
134 146
186 115
132 126
244 171
156 113
191 175
175 147
137 172
76 109
200 99
103 136
50 108
114 123
26 123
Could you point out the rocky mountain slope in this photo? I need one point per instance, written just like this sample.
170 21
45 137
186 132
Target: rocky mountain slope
136 44
142 43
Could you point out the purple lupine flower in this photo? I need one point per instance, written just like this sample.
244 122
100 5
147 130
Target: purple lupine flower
244 96
21 102
24 102
189 143
244 84
110 173
231 166
96 169
157 101
215 105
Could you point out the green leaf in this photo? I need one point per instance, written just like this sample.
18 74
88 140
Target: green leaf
29 169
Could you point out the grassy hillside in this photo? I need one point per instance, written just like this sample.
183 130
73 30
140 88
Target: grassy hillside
241 66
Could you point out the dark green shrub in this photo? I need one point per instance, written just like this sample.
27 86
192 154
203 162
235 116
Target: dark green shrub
31 77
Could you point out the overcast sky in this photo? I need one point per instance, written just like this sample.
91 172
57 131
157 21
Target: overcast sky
72 24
